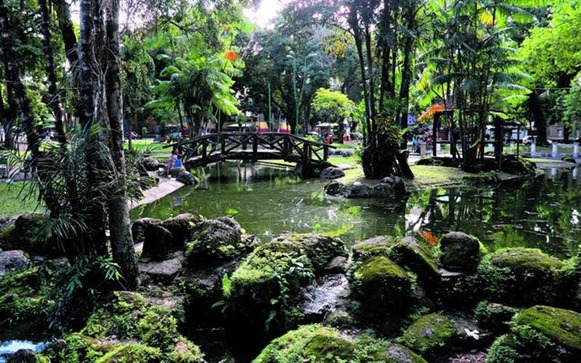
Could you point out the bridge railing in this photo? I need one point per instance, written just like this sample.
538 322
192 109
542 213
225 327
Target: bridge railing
211 148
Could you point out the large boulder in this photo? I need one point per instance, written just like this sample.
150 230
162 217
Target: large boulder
24 356
151 164
181 227
185 177
157 243
315 343
407 252
382 287
320 249
389 187
518 277
14 260
432 335
140 226
265 288
24 235
417 257
540 334
459 252
526 276
335 188
332 173
162 271
216 241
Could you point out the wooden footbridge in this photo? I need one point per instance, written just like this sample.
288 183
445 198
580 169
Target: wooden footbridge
217 147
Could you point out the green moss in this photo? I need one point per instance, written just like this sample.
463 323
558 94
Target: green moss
318 344
319 249
495 317
24 300
129 316
381 286
431 334
378 268
525 258
519 277
131 352
417 258
540 334
459 252
560 325
376 246
311 343
266 284
216 241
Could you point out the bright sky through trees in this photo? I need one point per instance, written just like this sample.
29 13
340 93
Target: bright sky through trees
265 13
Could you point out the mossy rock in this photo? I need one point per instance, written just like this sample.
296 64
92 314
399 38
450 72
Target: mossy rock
24 303
319 344
181 227
26 356
540 334
375 246
215 242
519 277
406 252
382 287
494 317
418 258
431 335
25 236
311 343
560 325
459 252
320 249
525 276
264 288
129 316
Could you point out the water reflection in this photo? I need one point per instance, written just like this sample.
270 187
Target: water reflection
268 201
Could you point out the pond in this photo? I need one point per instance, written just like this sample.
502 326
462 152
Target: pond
268 201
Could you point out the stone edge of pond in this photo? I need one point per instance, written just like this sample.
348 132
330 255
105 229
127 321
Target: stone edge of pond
164 188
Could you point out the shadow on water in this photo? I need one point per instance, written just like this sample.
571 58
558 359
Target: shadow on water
541 213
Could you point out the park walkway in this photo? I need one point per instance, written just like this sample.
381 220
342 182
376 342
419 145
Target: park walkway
165 187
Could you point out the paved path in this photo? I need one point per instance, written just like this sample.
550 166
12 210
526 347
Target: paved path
165 187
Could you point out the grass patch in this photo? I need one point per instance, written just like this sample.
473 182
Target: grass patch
426 175
13 201
156 148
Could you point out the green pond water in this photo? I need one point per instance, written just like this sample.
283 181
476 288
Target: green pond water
267 201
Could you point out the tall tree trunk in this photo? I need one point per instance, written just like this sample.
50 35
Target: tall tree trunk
55 98
119 222
354 25
93 114
67 30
